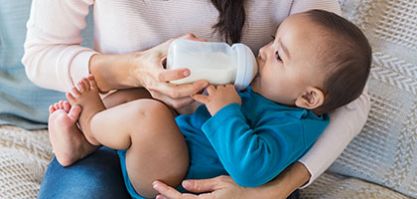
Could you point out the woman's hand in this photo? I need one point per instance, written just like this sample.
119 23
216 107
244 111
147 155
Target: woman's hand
218 187
152 75
145 69
223 187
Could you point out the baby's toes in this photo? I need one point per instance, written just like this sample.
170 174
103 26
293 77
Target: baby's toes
74 112
86 84
81 86
56 106
75 93
67 106
70 98
61 104
51 109
92 82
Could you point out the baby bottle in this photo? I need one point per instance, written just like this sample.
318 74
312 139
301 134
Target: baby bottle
216 62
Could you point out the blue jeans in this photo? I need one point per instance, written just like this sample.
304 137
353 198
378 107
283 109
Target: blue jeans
96 176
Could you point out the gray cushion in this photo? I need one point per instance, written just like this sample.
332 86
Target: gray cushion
331 186
386 150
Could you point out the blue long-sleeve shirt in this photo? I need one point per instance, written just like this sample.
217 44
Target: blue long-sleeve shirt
257 140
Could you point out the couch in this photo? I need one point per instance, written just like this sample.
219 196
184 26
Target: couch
381 162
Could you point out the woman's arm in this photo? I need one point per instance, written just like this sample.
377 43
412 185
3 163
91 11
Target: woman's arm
145 69
287 182
345 123
53 56
55 60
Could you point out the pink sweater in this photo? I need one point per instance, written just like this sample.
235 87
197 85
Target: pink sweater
55 60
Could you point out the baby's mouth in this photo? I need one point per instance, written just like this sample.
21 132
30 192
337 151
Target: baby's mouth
256 79
257 76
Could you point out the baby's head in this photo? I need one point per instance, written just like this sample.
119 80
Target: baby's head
318 61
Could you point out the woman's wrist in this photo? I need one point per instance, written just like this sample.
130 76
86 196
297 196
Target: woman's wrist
287 182
114 71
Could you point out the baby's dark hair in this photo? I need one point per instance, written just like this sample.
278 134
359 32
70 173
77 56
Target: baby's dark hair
347 60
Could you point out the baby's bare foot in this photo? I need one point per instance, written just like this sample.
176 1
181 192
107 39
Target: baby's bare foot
68 143
87 96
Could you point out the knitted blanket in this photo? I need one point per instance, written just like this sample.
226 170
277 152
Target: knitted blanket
24 156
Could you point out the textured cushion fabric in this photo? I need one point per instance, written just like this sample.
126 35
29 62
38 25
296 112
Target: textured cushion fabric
332 186
24 157
386 150
21 102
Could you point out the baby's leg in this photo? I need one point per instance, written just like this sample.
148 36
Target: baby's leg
68 142
124 96
156 150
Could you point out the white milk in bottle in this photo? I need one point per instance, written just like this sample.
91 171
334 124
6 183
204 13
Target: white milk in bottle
215 62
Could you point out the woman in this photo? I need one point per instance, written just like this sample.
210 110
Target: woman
127 56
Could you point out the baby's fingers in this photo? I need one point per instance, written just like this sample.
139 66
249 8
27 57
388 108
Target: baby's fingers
211 89
201 98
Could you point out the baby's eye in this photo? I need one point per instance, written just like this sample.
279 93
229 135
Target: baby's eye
273 37
277 56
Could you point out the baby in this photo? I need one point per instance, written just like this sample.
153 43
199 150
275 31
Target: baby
317 62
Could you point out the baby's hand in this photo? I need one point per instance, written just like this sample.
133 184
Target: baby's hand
218 97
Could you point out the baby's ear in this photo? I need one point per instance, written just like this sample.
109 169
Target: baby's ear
311 98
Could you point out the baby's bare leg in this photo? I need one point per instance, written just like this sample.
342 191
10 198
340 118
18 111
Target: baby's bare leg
124 96
156 150
68 142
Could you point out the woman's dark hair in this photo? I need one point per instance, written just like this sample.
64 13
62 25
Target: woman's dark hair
347 59
231 19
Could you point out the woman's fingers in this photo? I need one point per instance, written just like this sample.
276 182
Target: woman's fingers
170 75
193 88
193 37
201 98
180 103
161 197
203 185
175 103
189 36
166 190
211 89
156 79
148 65
179 91
163 48
218 187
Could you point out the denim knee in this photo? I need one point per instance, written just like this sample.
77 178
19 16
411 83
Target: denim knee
96 176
